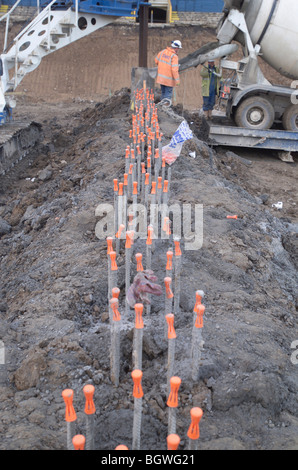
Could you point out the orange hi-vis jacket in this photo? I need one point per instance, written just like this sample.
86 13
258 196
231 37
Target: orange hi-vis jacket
167 67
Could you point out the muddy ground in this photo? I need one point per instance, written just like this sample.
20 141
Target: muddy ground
54 311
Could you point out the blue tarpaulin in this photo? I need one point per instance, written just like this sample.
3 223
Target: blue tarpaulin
177 5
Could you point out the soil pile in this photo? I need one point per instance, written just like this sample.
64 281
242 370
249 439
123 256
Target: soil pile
54 283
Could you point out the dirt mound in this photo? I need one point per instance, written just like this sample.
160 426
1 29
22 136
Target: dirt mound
54 285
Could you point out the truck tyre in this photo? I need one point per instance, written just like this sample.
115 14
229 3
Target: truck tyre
255 113
290 118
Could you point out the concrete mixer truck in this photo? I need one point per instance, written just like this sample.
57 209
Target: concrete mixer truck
262 114
268 28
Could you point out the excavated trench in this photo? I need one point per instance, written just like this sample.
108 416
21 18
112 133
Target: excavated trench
54 284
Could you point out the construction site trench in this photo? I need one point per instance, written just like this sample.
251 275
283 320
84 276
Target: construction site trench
54 270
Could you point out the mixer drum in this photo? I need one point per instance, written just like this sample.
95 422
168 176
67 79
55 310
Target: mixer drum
272 24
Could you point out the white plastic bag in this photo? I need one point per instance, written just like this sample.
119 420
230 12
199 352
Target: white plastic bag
172 151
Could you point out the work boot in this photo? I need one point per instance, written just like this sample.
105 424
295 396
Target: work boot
206 114
209 115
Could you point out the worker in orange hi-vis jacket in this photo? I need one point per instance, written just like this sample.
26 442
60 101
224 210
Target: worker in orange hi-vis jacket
168 69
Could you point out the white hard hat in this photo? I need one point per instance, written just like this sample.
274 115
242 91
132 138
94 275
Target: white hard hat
177 44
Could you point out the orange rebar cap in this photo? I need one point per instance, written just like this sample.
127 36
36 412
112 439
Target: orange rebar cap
173 396
173 441
165 186
171 329
135 187
115 292
137 387
89 403
199 296
150 235
128 242
113 255
232 217
114 306
167 225
139 257
121 447
177 248
200 313
139 324
194 430
120 192
78 442
169 260
115 184
70 414
110 245
153 189
169 293
120 230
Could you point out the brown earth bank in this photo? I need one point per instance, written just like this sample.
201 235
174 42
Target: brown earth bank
54 282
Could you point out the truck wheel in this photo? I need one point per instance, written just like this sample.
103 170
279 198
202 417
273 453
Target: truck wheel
255 113
290 118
